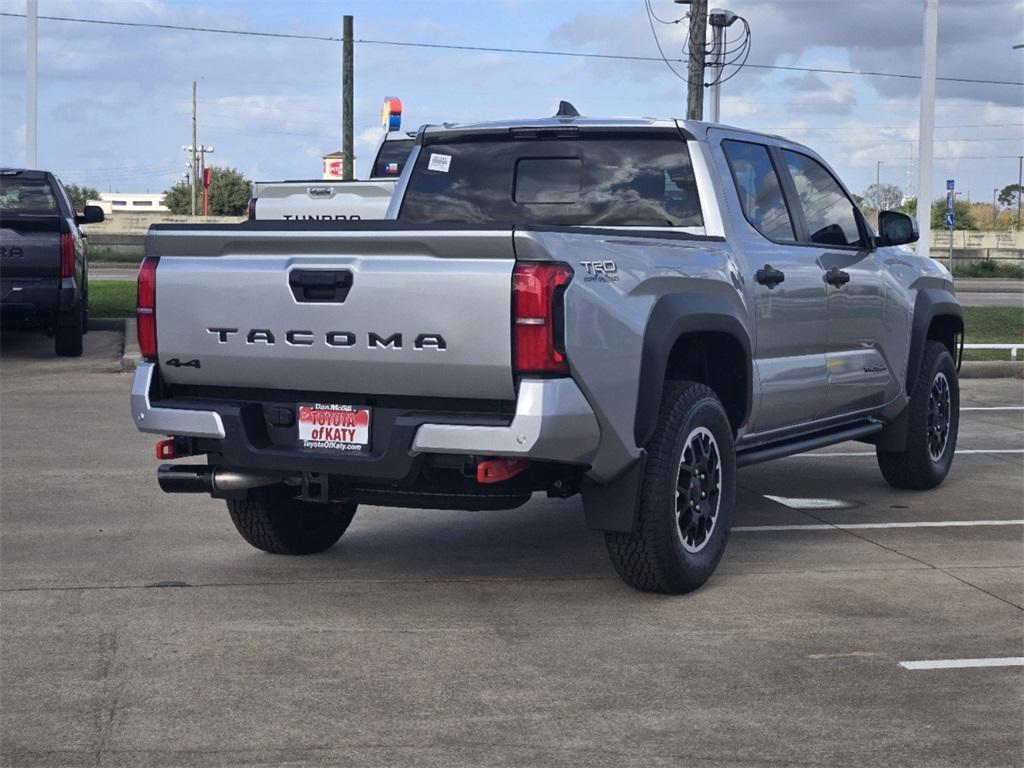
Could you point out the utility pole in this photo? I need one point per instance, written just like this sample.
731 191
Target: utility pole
31 80
1020 186
193 147
878 173
695 69
346 99
926 128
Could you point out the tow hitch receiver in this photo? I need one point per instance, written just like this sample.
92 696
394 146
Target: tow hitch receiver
499 470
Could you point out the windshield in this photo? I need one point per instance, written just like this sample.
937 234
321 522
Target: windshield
598 178
391 157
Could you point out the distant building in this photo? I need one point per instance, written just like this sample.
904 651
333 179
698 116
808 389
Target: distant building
334 165
131 202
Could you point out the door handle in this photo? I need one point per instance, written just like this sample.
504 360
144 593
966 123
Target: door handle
837 277
770 276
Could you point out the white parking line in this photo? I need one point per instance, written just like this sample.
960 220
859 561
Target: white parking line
810 503
993 408
1009 661
872 453
864 526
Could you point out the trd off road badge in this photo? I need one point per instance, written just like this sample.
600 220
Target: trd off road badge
600 271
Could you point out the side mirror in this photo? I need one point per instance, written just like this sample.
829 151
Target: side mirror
91 214
895 228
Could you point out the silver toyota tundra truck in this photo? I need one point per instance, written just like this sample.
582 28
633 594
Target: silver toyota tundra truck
628 309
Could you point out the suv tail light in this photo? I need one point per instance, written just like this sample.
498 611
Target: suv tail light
537 343
251 209
145 312
67 255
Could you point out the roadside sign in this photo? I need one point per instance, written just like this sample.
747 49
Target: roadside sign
949 184
949 220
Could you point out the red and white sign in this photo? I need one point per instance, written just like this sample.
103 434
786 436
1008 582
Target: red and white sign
336 428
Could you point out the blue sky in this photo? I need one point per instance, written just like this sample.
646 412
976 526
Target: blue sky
114 103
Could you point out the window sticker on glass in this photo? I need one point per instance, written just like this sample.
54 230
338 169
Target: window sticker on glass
439 163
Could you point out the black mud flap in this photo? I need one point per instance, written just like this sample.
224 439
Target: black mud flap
613 506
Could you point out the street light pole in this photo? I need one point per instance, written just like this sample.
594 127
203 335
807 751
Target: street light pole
31 80
994 209
926 130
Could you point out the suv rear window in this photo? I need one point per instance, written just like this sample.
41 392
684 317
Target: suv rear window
391 157
21 195
597 178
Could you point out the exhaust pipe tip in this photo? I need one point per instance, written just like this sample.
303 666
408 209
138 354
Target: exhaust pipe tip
199 478
185 478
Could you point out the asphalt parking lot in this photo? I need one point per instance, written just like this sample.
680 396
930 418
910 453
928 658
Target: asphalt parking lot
138 629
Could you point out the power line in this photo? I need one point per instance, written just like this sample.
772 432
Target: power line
484 49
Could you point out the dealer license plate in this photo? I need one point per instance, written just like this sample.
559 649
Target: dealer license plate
334 428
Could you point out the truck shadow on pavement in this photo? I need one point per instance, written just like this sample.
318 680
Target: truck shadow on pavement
102 352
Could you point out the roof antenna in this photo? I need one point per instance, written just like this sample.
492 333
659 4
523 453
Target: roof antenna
565 109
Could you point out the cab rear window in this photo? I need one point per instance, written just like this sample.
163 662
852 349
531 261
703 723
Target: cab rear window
21 195
597 178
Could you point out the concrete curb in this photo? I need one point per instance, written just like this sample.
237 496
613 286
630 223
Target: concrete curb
988 285
100 266
106 324
992 369
131 356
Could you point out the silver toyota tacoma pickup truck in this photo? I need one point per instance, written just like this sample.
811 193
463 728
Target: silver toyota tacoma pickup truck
628 309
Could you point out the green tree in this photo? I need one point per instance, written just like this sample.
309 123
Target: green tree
229 195
79 195
962 214
1009 197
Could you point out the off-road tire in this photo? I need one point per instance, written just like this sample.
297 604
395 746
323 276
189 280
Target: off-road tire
68 331
274 520
653 558
914 468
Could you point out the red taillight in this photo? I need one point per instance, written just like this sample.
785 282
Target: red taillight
145 312
251 209
536 294
67 255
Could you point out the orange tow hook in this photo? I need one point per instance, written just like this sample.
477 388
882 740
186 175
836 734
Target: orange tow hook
499 470
165 449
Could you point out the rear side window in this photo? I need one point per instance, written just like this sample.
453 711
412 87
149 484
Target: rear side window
391 157
759 190
826 208
19 195
594 177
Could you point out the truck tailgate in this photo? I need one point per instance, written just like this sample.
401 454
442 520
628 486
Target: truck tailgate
30 246
375 311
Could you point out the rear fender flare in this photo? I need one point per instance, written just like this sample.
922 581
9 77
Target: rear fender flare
672 317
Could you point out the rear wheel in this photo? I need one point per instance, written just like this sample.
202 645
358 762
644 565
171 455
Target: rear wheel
273 520
687 497
68 331
933 421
